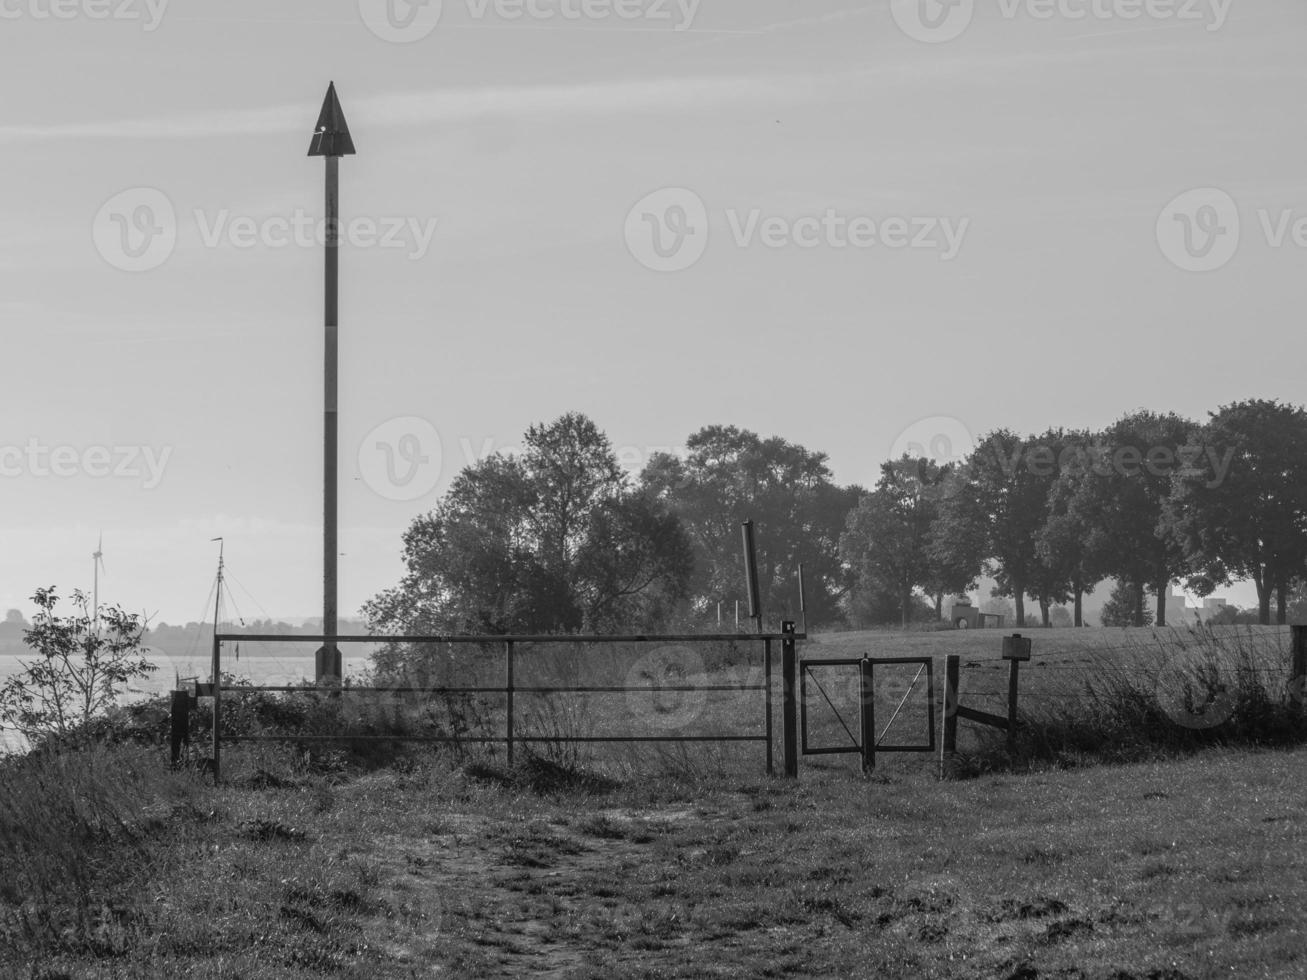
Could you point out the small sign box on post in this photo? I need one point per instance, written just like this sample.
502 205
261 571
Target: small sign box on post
1016 647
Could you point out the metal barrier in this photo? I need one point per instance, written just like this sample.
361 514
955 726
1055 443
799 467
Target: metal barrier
508 644
866 743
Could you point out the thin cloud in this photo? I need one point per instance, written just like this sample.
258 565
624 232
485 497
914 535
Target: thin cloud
449 106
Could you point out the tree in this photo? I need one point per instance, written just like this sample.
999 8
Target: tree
1122 502
79 668
1122 607
958 540
887 536
870 603
730 475
1244 515
553 540
1065 541
1000 505
633 565
1050 576
1297 604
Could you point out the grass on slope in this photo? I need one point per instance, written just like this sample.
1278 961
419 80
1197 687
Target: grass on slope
1189 869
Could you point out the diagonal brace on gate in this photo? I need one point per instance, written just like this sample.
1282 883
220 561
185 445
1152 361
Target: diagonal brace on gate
852 738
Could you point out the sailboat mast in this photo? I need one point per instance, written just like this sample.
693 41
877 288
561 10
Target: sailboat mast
217 606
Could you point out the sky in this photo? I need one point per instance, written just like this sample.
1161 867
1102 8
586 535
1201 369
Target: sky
862 226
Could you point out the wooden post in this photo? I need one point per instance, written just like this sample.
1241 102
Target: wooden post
789 720
1298 675
181 724
508 645
867 712
751 575
952 663
1012 706
803 602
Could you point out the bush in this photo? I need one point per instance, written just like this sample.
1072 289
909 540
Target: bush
1177 691
78 665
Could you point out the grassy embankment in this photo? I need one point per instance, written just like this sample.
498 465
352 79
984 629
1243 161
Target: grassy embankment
1172 868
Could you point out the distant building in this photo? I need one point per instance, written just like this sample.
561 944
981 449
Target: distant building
1211 606
1178 612
1177 609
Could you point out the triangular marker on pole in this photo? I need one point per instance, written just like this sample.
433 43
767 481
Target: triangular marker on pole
331 135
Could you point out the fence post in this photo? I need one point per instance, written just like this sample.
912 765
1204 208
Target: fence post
508 646
766 670
789 721
181 723
949 743
1298 675
867 695
751 575
1012 706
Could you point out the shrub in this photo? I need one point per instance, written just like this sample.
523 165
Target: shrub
1174 691
79 664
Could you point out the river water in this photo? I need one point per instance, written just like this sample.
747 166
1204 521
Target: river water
256 670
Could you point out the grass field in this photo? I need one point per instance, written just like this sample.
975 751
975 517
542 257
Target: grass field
681 861
1190 869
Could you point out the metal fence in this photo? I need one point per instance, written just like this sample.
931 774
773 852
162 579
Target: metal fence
511 689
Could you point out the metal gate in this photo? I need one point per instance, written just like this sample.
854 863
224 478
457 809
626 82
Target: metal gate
866 742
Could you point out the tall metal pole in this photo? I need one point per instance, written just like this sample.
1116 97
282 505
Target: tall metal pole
331 139
330 415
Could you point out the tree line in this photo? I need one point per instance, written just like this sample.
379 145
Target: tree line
1152 501
558 538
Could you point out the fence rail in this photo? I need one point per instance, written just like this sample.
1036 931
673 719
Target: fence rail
792 688
508 645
